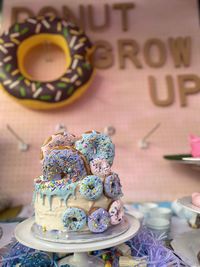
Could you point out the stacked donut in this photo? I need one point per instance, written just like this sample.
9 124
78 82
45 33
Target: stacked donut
78 190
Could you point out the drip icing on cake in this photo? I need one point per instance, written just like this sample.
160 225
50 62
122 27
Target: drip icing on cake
61 188
77 181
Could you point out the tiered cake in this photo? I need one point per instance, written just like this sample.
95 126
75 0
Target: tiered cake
78 190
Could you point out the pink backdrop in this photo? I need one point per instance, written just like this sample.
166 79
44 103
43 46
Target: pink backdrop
119 98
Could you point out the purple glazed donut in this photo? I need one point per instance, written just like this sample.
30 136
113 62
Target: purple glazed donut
112 186
98 220
64 162
56 140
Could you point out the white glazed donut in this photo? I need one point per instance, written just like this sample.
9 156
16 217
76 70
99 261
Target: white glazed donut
100 167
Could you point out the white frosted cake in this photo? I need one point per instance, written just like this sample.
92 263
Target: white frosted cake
78 190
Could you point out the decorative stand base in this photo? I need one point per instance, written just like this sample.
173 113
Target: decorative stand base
81 260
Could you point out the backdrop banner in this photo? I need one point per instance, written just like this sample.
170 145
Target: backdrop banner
148 60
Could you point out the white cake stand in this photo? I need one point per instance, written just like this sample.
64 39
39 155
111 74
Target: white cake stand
187 244
80 258
186 202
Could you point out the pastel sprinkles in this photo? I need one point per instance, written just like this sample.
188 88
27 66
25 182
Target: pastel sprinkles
73 82
80 177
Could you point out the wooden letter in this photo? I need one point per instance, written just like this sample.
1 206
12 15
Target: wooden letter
154 94
124 8
181 51
128 48
48 10
17 11
185 87
91 18
150 58
103 56
69 15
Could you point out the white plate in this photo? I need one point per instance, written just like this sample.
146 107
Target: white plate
186 202
24 235
191 159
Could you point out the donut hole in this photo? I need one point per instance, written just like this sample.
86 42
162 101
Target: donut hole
45 62
62 175
113 185
43 57
98 220
91 186
74 219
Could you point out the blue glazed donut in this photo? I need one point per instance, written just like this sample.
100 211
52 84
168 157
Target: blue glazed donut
95 145
74 219
112 186
98 221
91 187
64 162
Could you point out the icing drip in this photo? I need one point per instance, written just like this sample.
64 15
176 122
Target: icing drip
61 188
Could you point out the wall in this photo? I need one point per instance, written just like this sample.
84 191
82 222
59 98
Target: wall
119 98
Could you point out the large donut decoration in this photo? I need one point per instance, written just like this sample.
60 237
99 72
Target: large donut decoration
17 42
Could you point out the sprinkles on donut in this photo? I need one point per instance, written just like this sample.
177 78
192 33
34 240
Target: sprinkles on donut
116 212
98 220
65 162
17 42
91 187
100 167
57 140
95 145
74 219
112 186
78 188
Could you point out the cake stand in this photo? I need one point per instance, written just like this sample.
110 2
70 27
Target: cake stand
185 159
187 244
80 257
186 202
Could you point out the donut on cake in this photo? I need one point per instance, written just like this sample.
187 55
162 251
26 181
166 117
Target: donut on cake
18 42
78 191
